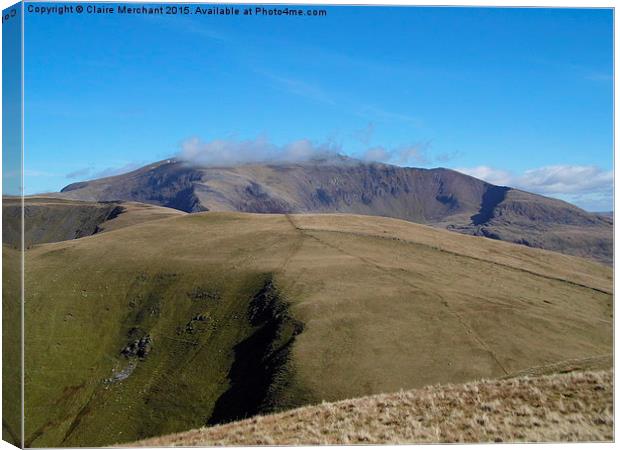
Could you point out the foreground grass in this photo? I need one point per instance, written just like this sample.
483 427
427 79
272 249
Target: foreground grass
385 305
564 407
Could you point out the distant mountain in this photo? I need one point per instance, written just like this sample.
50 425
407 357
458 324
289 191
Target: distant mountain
438 197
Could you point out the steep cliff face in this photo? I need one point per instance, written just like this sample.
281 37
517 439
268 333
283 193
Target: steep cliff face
49 220
440 197
165 183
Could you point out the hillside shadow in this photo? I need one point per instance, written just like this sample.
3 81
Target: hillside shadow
260 365
493 196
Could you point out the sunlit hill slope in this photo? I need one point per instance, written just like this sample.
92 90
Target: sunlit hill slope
167 324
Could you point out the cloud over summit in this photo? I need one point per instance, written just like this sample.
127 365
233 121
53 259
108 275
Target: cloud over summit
229 152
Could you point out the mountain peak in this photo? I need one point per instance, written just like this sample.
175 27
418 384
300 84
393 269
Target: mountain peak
335 183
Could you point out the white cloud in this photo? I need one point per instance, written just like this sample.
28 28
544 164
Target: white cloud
589 187
376 154
567 179
415 154
488 174
228 152
403 156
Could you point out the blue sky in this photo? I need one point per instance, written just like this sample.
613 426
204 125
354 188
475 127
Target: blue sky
11 102
515 96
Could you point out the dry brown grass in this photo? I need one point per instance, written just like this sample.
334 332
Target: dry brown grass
564 407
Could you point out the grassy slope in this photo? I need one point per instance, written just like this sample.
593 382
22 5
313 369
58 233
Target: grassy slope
135 213
11 346
569 407
48 220
386 305
53 219
86 295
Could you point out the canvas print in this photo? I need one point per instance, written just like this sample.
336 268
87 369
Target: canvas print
246 224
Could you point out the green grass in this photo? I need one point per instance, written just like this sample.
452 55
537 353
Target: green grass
182 369
11 346
389 305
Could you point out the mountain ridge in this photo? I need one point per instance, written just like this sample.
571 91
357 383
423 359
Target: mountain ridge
439 197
